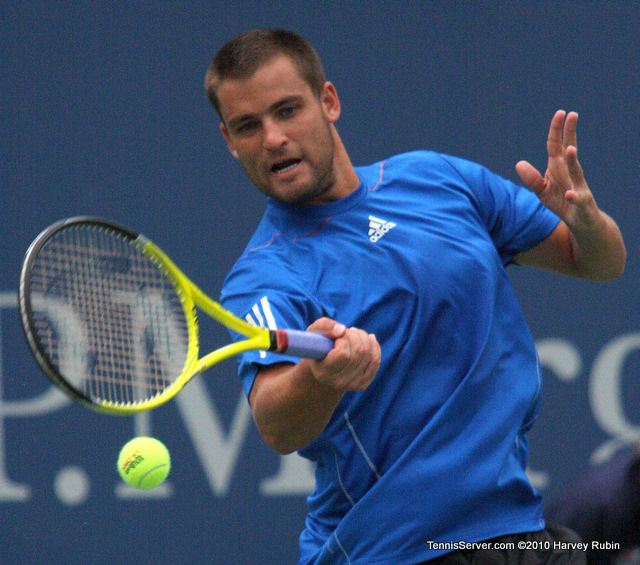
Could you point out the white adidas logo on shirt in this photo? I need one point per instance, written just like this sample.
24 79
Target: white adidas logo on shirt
378 227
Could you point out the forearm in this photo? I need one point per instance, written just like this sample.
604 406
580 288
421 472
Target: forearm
597 248
292 404
290 407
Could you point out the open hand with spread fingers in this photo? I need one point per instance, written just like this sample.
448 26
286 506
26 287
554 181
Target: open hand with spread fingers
587 243
563 188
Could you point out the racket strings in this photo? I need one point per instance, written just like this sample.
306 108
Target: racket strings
108 319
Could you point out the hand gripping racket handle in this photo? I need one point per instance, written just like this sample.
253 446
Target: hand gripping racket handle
309 345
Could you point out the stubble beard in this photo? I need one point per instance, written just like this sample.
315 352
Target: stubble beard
323 178
320 185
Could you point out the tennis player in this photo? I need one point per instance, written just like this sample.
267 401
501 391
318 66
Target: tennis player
417 420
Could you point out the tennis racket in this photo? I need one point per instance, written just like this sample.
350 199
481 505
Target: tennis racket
112 321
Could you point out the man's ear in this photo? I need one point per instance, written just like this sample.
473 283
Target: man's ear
230 145
330 102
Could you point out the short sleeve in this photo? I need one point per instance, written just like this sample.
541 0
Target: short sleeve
277 302
513 215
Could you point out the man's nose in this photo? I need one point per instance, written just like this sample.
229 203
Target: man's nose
274 135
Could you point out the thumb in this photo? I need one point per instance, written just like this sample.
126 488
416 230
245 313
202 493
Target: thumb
328 327
530 176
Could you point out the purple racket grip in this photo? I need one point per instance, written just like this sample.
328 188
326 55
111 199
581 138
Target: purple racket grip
309 345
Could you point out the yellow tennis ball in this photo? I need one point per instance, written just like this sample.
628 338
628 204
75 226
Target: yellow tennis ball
144 462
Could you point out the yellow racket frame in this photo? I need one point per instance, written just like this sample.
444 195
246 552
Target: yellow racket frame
191 297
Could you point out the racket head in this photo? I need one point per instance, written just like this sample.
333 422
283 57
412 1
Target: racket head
104 317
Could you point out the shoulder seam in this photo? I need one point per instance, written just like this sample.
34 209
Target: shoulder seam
265 245
374 187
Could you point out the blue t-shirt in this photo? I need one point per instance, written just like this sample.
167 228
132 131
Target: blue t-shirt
435 449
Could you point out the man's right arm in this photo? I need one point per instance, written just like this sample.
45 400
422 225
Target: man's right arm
292 404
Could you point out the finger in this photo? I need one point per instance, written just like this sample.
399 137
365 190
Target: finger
372 353
368 374
370 362
376 356
347 351
360 348
530 176
340 367
569 136
554 140
575 169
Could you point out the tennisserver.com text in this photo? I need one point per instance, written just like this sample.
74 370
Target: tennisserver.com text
543 545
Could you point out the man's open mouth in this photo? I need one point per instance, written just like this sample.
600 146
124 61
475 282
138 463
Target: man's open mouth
285 166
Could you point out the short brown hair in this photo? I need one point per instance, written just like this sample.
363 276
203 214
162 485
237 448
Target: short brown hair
243 55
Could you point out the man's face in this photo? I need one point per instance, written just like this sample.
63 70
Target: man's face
282 133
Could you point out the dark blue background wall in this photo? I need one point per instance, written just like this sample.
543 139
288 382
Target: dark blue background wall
103 113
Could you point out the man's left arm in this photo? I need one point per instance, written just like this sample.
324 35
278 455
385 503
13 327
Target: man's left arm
587 243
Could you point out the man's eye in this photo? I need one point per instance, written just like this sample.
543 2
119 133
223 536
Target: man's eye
245 127
286 111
